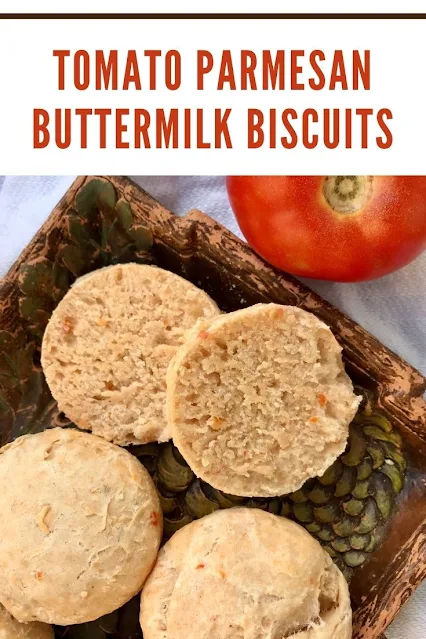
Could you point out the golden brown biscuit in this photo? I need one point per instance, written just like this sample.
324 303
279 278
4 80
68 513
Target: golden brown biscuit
245 573
80 527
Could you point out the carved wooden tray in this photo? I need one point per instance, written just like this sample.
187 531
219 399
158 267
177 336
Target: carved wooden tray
369 510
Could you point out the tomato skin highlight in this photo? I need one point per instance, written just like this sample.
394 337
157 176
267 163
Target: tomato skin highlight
289 222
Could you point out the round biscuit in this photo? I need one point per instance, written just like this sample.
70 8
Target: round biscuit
109 342
258 400
80 527
244 572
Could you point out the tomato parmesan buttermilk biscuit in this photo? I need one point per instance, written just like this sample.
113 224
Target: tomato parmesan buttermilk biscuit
259 401
80 527
108 344
245 573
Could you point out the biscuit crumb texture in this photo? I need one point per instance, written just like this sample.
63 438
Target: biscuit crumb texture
242 573
259 401
76 534
12 629
109 342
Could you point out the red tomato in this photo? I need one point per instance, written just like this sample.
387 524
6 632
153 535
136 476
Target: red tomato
347 228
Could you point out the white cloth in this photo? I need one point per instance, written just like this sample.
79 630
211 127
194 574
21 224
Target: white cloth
393 308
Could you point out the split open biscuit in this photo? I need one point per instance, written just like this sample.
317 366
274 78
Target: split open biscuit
245 573
80 527
109 342
259 401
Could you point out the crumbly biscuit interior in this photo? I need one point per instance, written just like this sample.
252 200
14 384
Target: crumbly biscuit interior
263 402
108 346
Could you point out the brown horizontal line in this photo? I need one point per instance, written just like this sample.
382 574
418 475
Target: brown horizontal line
213 16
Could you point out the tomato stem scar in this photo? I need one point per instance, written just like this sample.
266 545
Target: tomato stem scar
348 193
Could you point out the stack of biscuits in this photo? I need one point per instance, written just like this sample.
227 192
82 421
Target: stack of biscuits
257 401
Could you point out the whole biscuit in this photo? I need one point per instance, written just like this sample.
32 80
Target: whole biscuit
109 342
245 573
80 527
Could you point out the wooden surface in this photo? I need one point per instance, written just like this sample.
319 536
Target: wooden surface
211 256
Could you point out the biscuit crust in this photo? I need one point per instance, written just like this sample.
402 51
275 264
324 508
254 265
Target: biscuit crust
80 528
245 573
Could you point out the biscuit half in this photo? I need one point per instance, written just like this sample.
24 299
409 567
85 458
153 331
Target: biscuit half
259 401
108 344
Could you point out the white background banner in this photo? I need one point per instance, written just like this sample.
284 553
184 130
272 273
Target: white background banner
29 80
